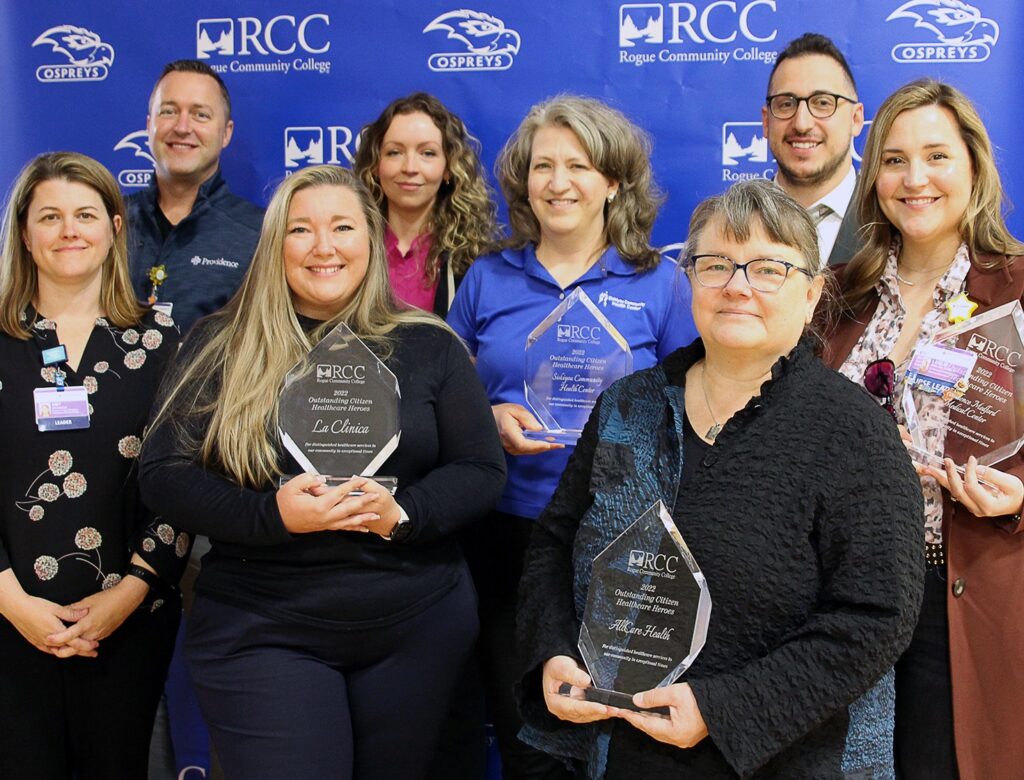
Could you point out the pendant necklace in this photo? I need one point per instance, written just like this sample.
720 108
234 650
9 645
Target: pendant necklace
923 281
715 429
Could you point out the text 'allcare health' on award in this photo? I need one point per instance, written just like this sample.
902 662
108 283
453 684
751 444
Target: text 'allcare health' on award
647 612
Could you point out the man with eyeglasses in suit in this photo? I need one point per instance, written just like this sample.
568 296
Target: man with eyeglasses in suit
810 118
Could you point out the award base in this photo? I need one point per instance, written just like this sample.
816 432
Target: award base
388 483
554 437
623 701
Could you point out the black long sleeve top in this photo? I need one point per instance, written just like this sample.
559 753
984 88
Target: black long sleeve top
805 517
450 471
70 513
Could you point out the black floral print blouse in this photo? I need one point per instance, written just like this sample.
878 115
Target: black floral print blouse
70 513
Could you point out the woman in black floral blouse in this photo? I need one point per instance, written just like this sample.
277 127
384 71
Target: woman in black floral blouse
87 574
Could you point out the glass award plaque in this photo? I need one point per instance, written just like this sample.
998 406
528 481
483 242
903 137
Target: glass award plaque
571 357
647 613
964 391
338 413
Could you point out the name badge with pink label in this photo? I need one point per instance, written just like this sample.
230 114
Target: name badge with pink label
61 409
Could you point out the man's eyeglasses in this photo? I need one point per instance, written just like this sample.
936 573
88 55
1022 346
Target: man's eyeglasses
822 105
763 274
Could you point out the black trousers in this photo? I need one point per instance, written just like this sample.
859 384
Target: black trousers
495 548
285 701
923 741
90 718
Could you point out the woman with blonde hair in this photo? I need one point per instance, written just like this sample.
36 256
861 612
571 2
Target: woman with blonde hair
582 202
422 167
330 621
88 575
935 242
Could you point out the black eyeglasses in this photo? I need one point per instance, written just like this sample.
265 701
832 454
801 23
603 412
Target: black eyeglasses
822 105
880 381
763 274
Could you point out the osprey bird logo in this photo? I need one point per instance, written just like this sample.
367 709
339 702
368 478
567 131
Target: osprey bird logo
479 32
79 45
132 142
952 21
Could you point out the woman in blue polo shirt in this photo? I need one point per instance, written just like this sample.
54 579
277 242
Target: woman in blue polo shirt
582 202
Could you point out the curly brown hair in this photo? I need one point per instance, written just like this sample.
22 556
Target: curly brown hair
464 218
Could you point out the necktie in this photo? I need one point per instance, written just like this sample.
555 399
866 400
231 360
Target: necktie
820 212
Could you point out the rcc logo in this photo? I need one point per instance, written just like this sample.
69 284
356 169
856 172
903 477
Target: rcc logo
583 332
654 561
346 372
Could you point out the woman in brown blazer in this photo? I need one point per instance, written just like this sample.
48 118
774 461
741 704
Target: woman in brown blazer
930 199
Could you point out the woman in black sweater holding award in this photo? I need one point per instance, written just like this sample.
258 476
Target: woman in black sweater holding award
331 620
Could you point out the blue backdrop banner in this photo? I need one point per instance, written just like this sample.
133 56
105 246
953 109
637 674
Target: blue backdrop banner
306 75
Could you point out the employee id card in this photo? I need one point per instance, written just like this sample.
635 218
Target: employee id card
65 409
936 369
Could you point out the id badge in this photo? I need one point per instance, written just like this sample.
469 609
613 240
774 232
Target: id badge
61 410
164 307
936 369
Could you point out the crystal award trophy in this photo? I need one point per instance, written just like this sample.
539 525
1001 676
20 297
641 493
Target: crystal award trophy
573 355
964 390
338 410
647 612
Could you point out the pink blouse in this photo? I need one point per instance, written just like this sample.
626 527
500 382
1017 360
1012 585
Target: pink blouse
408 271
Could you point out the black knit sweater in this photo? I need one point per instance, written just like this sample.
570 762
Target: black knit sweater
805 517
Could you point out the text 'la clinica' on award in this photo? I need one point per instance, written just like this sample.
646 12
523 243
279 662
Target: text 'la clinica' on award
647 613
338 413
571 357
964 390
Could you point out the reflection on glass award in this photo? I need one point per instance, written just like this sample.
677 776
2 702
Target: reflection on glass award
647 613
964 391
338 411
572 356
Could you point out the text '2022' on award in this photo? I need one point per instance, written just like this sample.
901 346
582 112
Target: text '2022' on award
647 612
338 412
964 390
571 357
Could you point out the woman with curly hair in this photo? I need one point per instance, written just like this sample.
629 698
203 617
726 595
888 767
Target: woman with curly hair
420 164
88 575
582 203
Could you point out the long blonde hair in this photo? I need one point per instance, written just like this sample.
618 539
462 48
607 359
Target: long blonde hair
19 278
463 221
981 227
232 380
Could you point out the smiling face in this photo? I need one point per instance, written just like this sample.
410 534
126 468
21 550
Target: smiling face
567 193
812 154
68 233
326 249
188 127
925 177
737 318
412 164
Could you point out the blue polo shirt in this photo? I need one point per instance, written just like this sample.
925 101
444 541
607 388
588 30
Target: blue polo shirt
505 296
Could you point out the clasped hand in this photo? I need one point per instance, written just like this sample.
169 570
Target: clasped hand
308 505
683 728
512 420
983 490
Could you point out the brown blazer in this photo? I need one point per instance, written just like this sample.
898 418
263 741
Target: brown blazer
985 600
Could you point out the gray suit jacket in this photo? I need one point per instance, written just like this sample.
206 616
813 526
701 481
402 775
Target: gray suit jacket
846 244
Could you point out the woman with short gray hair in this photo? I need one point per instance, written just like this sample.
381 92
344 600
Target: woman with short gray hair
795 497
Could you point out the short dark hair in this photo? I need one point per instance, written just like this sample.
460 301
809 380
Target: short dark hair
813 43
195 66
